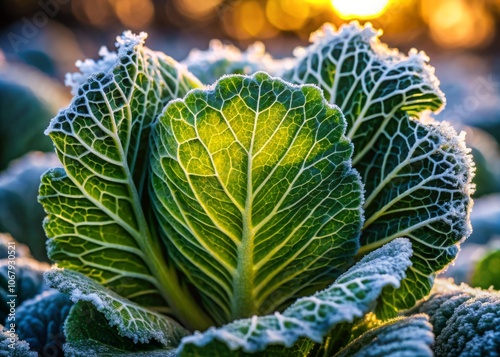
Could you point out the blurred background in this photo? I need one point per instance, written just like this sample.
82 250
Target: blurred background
41 40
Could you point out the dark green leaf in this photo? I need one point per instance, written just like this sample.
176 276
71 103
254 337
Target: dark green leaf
417 176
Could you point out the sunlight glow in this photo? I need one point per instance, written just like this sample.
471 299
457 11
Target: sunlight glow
360 9
459 23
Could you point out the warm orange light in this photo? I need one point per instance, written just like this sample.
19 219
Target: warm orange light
95 12
318 2
197 9
458 23
255 21
135 14
360 9
287 15
248 20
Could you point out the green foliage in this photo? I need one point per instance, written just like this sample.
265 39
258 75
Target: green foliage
401 337
417 176
28 100
486 153
89 334
32 117
350 296
20 213
486 273
183 207
131 320
95 222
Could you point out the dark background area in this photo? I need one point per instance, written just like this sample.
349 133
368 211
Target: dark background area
67 30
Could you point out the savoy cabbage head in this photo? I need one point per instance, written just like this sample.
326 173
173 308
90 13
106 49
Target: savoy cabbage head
271 213
466 321
41 322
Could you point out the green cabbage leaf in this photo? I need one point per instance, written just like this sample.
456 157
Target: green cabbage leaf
416 173
270 214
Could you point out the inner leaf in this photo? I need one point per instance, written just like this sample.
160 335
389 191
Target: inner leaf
255 194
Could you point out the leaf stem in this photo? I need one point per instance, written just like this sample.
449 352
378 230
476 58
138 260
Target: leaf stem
184 306
244 303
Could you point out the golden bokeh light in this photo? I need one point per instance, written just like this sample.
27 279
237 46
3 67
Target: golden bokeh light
248 20
458 23
359 9
287 15
318 2
135 14
197 9
95 12
255 22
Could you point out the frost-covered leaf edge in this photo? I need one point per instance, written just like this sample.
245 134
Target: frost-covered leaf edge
19 348
419 93
89 334
466 320
384 267
143 325
102 140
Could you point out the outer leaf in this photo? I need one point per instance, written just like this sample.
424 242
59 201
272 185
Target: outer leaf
28 100
255 193
417 177
89 334
131 320
93 349
39 322
466 321
401 337
303 347
368 81
351 296
95 222
486 273
20 213
426 198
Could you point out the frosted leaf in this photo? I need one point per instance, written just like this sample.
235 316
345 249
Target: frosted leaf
88 67
351 296
12 346
131 320
417 175
96 223
466 321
